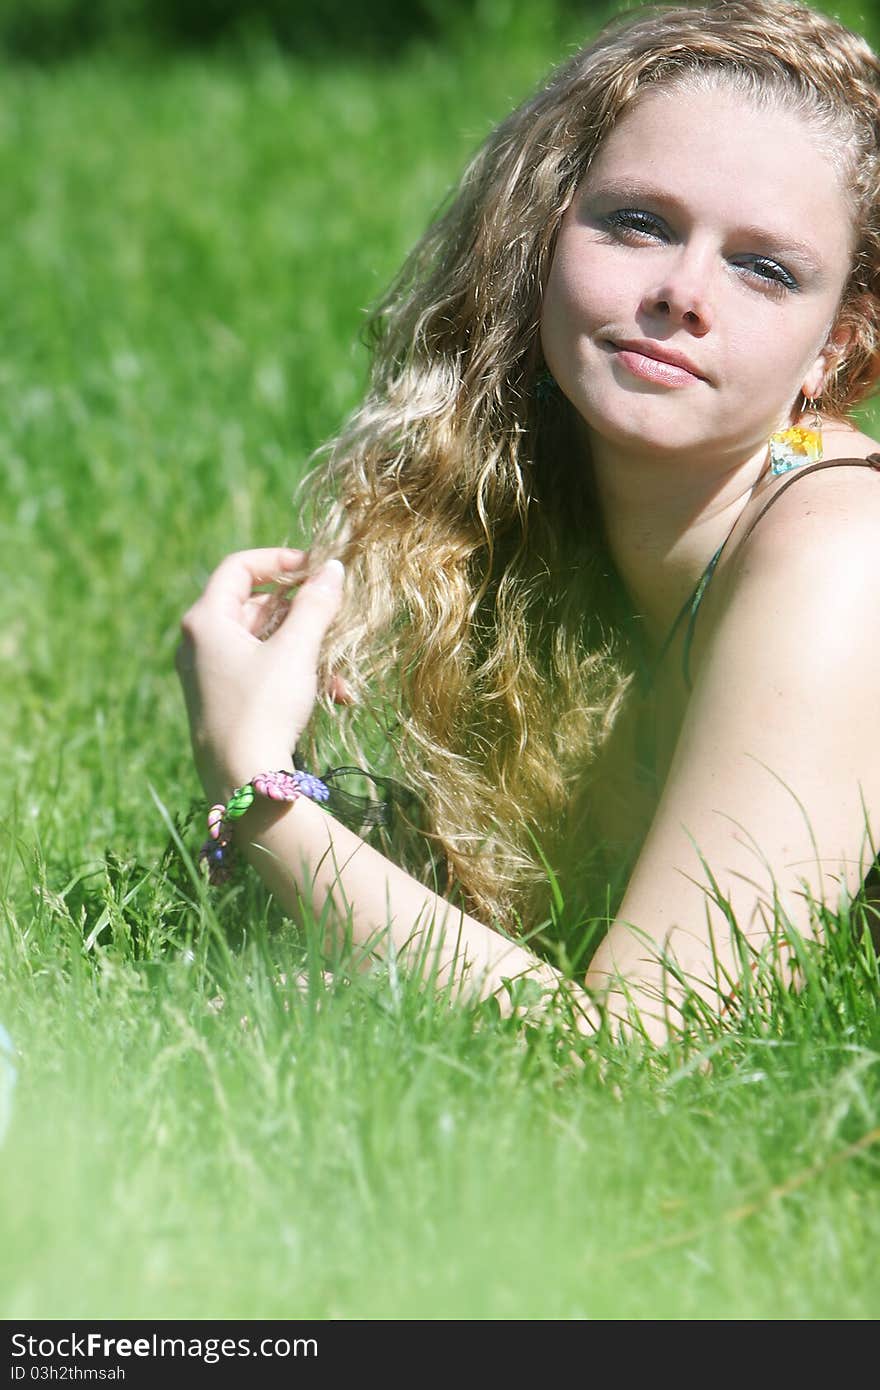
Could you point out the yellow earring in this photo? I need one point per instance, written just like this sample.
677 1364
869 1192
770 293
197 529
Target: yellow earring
801 444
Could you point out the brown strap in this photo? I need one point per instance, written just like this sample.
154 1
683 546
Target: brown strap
872 461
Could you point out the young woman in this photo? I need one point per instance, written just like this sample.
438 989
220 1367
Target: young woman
605 611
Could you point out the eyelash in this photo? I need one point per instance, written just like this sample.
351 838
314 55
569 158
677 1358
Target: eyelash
778 280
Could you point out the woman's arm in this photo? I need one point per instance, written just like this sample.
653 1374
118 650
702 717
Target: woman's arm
775 766
248 701
778 758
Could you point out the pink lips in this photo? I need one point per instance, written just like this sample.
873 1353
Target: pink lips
653 362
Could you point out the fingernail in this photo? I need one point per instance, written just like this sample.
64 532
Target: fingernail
292 560
331 576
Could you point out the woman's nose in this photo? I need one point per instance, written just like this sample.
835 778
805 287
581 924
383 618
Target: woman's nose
682 295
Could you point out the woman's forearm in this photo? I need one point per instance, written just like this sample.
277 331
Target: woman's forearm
248 700
312 863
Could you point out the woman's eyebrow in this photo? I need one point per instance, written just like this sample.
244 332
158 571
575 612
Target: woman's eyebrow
785 245
781 242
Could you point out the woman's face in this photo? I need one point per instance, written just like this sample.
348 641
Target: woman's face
697 275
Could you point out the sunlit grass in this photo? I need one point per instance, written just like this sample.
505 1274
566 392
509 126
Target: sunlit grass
203 1124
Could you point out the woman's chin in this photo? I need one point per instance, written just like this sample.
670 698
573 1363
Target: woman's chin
657 441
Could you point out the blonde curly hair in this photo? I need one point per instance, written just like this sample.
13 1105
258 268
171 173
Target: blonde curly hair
482 630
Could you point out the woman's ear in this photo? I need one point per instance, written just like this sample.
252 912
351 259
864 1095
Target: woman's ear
827 364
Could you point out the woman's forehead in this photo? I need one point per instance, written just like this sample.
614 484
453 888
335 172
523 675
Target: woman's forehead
666 120
718 152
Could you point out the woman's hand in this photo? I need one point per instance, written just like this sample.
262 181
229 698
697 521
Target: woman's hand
249 700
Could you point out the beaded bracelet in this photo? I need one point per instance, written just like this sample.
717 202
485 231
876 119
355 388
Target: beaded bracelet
217 851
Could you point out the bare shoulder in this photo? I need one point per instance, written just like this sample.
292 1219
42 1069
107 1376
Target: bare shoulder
841 439
806 562
807 515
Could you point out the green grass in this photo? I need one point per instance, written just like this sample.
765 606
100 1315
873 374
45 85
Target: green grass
187 254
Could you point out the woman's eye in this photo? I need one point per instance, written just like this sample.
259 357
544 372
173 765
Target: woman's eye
635 220
768 272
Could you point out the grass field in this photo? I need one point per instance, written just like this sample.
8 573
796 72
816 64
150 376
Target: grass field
188 252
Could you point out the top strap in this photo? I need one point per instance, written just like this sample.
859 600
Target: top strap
693 603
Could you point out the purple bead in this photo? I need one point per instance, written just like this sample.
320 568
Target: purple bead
312 786
218 856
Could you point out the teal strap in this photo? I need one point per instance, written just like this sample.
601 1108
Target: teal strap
696 600
691 604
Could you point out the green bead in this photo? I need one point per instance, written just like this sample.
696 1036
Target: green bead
240 801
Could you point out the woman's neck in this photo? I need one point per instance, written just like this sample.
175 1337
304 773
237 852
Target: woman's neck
664 518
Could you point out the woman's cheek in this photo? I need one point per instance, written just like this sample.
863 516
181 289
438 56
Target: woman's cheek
568 318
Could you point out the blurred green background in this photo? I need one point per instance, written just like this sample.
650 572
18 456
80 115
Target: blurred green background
41 29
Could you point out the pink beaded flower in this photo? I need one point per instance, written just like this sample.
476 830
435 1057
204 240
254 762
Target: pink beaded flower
278 786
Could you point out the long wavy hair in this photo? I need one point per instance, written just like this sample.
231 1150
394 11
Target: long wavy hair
482 628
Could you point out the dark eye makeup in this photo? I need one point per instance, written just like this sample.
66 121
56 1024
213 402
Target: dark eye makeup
763 270
635 220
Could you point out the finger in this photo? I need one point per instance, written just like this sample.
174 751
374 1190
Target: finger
261 612
312 611
234 579
340 691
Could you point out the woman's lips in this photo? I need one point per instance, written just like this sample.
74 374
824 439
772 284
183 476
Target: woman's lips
656 369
